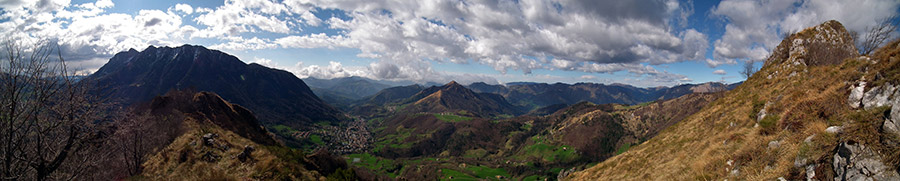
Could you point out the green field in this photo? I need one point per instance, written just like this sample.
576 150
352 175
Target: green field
547 152
283 130
383 166
448 117
487 172
395 140
316 139
450 174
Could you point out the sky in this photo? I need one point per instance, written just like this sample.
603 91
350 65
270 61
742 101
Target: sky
645 43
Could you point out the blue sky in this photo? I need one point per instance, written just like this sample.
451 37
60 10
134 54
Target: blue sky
642 43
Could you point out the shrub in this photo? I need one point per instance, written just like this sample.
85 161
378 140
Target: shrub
768 124
757 106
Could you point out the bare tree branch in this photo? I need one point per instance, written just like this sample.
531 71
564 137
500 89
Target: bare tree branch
748 69
48 122
877 35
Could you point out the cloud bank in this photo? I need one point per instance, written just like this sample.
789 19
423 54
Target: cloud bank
408 37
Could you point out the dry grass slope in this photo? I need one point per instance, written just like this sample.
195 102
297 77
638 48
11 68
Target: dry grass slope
184 159
802 96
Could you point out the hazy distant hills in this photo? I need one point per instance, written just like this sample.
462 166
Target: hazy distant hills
351 93
537 95
276 96
346 91
351 87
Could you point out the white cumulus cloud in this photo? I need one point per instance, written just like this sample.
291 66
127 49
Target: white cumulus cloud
719 72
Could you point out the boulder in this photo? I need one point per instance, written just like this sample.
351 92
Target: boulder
854 161
856 94
246 154
762 112
774 144
878 96
834 129
209 139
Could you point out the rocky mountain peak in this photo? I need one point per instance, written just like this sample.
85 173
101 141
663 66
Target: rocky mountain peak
826 44
452 83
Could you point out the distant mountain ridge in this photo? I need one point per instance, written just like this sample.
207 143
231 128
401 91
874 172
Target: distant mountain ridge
276 96
536 95
352 87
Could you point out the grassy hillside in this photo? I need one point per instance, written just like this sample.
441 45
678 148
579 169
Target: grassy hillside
188 158
774 124
451 145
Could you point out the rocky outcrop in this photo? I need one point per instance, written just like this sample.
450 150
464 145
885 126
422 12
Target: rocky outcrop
884 95
892 125
826 44
854 161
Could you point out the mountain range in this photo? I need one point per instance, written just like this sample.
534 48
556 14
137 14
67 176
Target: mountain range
350 93
816 110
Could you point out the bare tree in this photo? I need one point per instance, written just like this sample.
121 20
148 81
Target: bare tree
48 122
748 69
140 134
877 35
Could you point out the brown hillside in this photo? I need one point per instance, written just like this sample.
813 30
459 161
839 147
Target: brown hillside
223 141
209 107
453 97
790 120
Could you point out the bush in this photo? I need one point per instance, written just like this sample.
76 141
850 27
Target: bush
768 124
757 106
342 174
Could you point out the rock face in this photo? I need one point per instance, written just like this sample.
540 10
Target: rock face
884 95
854 161
892 125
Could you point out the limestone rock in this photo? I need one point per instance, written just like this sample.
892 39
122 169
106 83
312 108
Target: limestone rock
855 161
834 129
826 44
762 112
774 144
892 125
878 96
856 94
209 139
